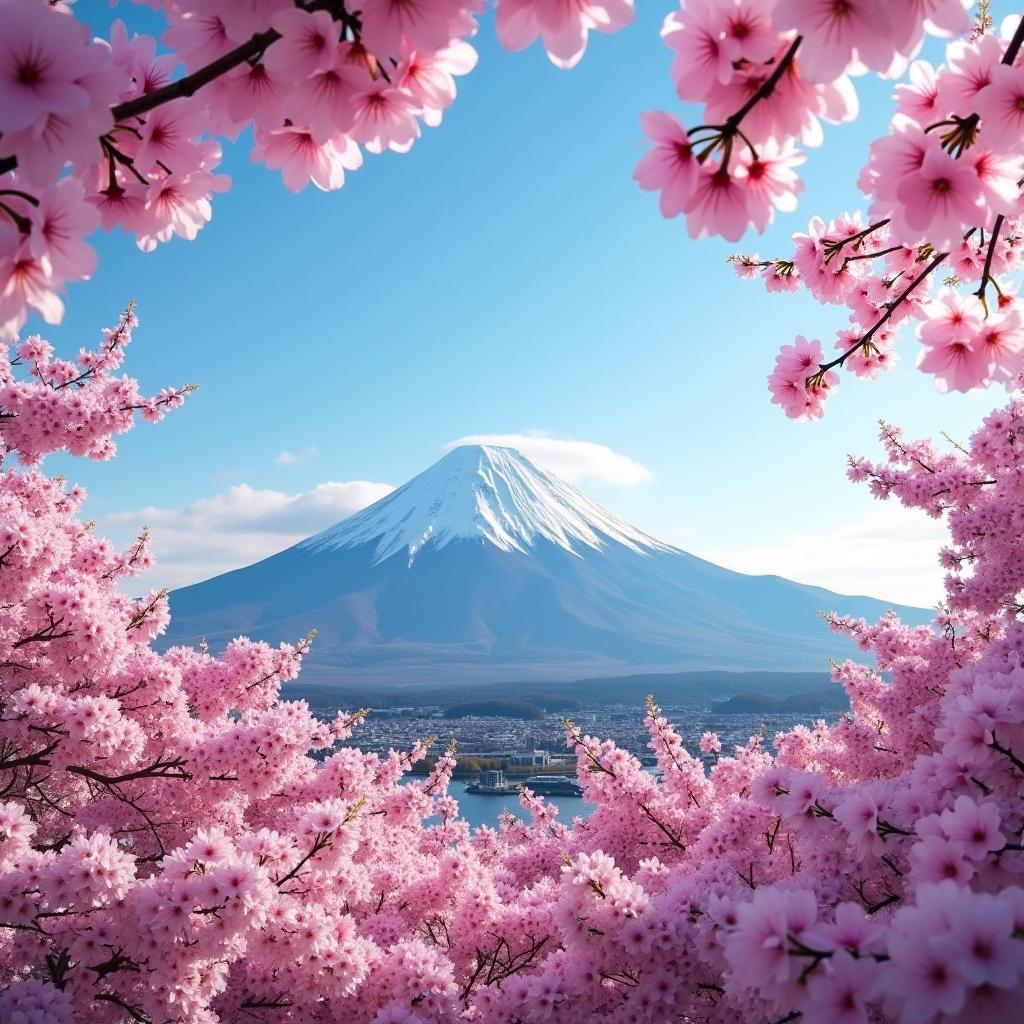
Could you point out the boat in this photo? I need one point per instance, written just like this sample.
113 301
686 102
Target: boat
493 784
554 785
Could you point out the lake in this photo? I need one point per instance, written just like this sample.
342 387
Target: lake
484 810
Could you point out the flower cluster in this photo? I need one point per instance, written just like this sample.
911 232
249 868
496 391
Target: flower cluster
180 843
766 73
106 134
943 187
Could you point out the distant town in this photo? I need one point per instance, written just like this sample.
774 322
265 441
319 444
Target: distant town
524 747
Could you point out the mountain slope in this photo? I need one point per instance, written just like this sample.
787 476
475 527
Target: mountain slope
485 568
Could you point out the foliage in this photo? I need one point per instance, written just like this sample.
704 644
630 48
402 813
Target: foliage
497 708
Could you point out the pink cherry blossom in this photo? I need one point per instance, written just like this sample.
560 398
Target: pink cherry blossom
426 25
939 201
670 167
562 27
308 43
301 159
719 205
952 346
430 77
770 182
837 34
43 55
1001 106
840 993
385 118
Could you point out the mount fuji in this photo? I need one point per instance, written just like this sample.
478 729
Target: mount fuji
486 568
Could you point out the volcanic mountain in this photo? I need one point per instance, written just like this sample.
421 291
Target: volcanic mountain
486 568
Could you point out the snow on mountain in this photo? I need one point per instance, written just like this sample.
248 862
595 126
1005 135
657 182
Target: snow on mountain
482 492
486 568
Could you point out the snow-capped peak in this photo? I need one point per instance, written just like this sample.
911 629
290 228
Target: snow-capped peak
484 493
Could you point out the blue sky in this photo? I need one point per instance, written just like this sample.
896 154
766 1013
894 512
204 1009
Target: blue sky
505 277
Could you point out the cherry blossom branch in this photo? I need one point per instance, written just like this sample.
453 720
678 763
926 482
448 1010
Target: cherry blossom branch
191 84
986 274
172 769
38 757
815 380
137 1015
833 247
1015 44
766 88
1007 752
723 134
673 839
965 129
143 613
320 842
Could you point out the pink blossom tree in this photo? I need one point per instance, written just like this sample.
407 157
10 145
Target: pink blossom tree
179 844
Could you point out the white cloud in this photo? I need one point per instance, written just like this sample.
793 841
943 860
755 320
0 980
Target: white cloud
237 527
287 458
572 460
889 554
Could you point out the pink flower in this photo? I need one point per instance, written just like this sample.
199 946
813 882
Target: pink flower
43 52
974 826
746 31
909 19
852 930
137 58
934 859
840 992
34 1002
1002 340
718 205
951 335
429 77
939 201
179 204
167 136
928 980
59 225
326 99
301 159
56 87
838 34
770 181
200 38
25 282
981 942
801 358
998 174
789 388
919 99
385 118
254 92
563 25
703 57
1001 106
970 70
779 276
710 743
422 24
308 43
891 159
670 167
858 814
758 950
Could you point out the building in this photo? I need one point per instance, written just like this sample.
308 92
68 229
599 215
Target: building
529 759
